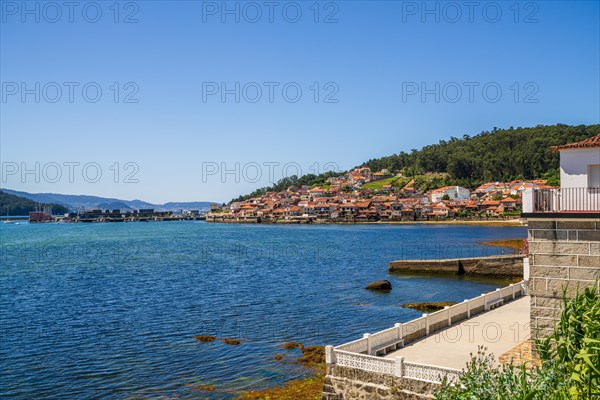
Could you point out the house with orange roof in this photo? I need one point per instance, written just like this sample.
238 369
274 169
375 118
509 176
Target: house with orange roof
348 208
517 189
493 211
316 191
408 214
440 210
363 205
307 210
540 181
491 203
385 213
580 164
292 211
509 203
486 187
579 177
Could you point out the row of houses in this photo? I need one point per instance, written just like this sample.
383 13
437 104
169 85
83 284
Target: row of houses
344 199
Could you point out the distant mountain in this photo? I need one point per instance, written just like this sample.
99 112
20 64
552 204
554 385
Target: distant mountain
74 202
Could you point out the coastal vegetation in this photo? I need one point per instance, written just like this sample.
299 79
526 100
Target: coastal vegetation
306 389
310 388
519 246
429 307
468 161
292 345
570 362
205 338
232 342
15 205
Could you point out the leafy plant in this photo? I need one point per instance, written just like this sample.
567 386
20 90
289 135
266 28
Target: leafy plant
576 344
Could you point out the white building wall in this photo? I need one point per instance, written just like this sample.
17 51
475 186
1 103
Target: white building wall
579 169
455 193
574 166
462 193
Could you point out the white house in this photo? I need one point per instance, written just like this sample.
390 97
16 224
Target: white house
579 181
454 192
580 164
580 175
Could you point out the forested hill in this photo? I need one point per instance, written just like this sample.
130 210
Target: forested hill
496 155
14 205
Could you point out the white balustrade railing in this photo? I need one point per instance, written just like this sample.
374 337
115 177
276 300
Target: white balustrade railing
360 353
366 362
385 337
430 373
414 326
356 346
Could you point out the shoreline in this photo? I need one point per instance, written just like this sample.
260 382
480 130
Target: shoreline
506 222
517 245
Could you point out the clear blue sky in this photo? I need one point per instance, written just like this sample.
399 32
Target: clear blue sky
375 56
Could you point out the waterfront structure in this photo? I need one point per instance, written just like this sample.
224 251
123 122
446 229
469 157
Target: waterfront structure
410 360
564 233
40 216
98 215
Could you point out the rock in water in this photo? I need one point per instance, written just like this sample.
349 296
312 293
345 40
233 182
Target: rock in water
379 285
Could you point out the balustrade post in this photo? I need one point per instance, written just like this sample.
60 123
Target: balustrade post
329 355
485 307
426 324
368 337
468 308
512 286
399 328
449 316
399 364
499 293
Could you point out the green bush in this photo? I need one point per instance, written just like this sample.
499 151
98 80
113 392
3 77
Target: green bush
570 367
576 345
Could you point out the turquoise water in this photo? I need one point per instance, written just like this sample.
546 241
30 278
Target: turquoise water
110 310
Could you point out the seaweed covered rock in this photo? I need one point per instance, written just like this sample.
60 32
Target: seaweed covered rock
383 285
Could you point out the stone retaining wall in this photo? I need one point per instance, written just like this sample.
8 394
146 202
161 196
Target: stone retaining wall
563 254
344 383
509 266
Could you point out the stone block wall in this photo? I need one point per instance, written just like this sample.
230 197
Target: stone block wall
564 254
344 383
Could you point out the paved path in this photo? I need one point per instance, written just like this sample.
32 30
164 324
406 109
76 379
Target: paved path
499 330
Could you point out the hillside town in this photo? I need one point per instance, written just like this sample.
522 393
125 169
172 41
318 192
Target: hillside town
356 197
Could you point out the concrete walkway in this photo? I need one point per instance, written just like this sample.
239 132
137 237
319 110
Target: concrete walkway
499 330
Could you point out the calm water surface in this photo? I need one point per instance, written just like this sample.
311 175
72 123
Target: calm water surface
110 310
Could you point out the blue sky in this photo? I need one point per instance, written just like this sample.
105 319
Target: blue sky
370 61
